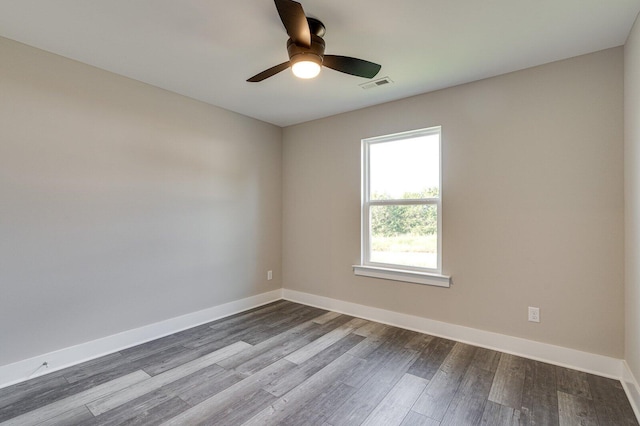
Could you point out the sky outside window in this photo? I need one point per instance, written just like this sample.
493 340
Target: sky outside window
404 166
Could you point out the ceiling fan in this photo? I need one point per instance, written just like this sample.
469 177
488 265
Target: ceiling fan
306 48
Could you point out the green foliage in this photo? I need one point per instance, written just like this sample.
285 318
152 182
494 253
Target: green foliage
395 220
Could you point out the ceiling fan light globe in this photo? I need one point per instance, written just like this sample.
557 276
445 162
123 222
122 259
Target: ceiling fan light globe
306 69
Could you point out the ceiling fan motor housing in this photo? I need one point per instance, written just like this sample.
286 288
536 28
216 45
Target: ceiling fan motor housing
315 53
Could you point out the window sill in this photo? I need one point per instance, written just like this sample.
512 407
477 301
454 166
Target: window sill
403 275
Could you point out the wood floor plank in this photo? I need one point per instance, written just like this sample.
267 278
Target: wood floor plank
134 408
415 419
419 342
381 380
77 416
282 306
283 343
220 401
316 411
610 401
370 328
210 372
259 323
275 353
397 403
467 406
248 314
539 396
186 337
156 382
64 390
200 389
247 328
27 393
149 348
378 351
442 388
508 383
373 341
321 343
243 409
326 317
303 393
159 362
431 358
396 338
93 367
282 327
296 376
576 410
296 317
30 386
159 413
495 414
487 359
59 407
573 382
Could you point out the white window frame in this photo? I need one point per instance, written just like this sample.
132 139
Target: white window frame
430 276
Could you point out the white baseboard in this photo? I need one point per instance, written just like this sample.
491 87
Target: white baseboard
557 355
631 387
63 358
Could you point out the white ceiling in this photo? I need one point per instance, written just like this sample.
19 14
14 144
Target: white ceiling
206 49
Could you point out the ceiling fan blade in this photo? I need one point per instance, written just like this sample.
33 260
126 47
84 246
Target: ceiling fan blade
353 66
295 21
270 72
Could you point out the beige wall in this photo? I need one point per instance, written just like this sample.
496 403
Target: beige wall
123 204
632 197
533 204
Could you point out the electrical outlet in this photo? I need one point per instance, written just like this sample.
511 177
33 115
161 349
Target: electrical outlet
534 314
269 275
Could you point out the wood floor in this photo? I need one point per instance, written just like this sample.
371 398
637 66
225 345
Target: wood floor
290 364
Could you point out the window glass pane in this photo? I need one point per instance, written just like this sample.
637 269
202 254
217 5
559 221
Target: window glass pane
404 235
403 169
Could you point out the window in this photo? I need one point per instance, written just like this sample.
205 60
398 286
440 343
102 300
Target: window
401 208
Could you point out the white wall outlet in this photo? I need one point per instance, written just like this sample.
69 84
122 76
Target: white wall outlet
269 275
534 314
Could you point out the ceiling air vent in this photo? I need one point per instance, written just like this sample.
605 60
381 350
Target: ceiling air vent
379 82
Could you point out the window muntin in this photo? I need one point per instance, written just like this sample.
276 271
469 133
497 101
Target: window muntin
401 211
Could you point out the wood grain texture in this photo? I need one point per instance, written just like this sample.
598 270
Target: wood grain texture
576 410
414 419
388 370
467 406
227 398
496 414
539 394
441 390
61 406
306 352
289 364
396 404
610 401
281 385
431 358
573 382
509 381
317 410
113 400
303 393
